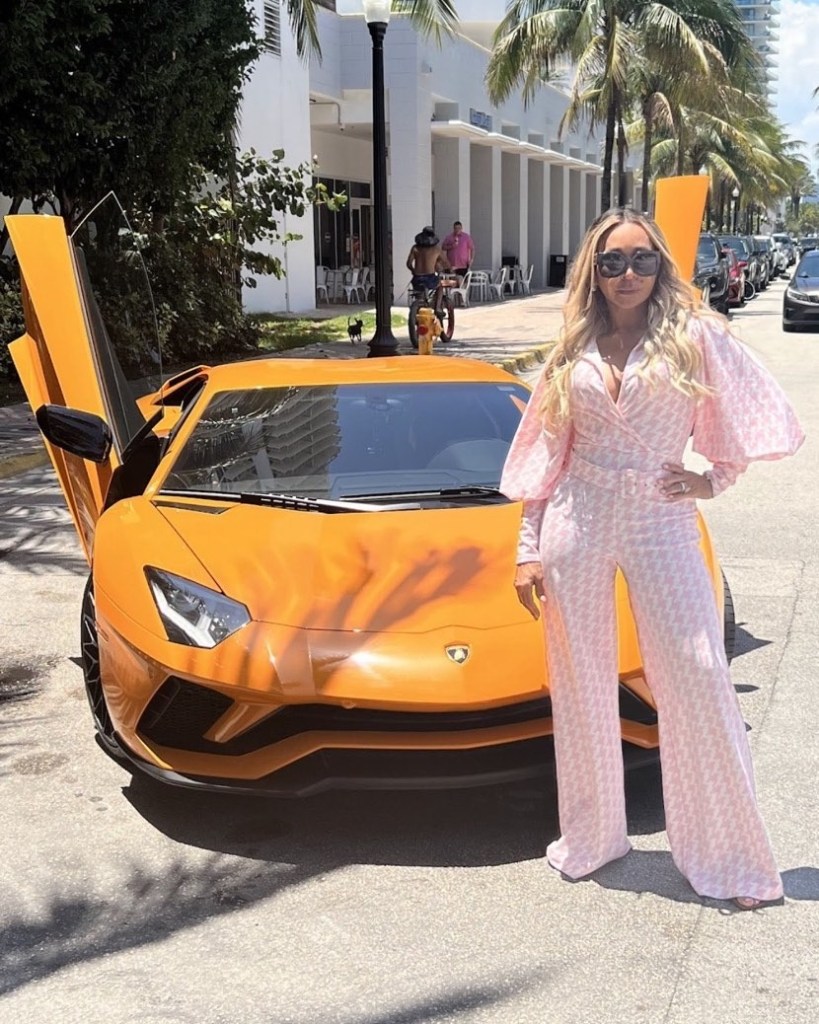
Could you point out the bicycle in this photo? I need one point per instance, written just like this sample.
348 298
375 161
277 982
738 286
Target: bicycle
420 297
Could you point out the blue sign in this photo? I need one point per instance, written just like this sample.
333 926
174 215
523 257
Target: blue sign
479 119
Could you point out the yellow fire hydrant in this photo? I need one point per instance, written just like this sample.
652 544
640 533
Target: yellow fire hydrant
428 328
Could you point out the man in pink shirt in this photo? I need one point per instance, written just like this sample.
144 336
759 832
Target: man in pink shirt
459 249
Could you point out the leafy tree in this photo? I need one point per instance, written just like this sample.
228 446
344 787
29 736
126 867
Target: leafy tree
117 94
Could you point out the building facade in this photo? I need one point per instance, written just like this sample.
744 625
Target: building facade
761 21
522 190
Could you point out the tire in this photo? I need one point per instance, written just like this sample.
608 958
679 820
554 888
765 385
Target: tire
412 323
729 621
89 652
750 291
446 318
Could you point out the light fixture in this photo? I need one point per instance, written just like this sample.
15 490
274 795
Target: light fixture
735 193
377 12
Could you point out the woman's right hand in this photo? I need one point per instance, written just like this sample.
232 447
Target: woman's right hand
529 585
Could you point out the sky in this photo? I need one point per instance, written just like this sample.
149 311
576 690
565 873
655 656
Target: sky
799 73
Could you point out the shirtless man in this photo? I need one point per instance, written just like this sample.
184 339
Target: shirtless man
425 259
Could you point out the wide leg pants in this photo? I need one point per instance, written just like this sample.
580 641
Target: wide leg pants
717 838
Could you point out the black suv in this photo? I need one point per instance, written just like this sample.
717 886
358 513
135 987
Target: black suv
711 272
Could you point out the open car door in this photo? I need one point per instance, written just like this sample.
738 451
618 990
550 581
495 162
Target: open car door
91 341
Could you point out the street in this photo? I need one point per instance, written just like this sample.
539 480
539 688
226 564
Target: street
123 901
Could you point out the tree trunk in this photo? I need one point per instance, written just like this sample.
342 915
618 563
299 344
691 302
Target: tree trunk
621 161
648 141
608 153
16 203
721 219
681 146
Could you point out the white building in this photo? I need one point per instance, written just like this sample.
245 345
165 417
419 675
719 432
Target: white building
519 191
761 21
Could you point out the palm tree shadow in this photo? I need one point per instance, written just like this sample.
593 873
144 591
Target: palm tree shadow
746 642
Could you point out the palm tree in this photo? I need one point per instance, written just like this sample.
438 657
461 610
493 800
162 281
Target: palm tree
434 18
602 38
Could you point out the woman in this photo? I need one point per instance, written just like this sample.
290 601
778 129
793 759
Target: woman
639 368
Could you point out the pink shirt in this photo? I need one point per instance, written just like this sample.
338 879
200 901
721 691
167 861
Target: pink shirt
459 249
746 417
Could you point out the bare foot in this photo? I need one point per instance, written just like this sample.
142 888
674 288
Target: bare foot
747 902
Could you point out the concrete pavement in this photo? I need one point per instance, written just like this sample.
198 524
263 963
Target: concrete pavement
511 334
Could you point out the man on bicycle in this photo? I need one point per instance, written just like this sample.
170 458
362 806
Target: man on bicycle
426 258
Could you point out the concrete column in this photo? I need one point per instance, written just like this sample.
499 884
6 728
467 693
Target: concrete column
410 161
592 205
480 212
559 208
497 208
514 206
451 184
537 219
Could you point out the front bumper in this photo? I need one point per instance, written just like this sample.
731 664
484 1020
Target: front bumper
802 314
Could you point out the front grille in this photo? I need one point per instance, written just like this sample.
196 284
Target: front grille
180 713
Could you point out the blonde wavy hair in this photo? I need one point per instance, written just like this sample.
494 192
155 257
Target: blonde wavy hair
585 316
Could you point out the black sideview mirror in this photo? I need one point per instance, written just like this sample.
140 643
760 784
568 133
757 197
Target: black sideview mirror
79 433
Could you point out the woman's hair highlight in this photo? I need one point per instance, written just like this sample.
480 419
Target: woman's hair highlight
585 316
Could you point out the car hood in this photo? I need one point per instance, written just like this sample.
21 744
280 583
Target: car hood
404 571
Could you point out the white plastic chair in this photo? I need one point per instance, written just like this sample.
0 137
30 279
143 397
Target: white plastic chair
478 283
526 280
462 291
498 282
353 287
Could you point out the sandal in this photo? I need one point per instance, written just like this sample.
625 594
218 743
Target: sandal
747 902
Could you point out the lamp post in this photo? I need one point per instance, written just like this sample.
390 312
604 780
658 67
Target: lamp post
735 196
383 342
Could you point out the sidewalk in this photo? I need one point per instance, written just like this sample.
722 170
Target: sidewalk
512 334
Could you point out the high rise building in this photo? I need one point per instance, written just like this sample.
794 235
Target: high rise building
761 20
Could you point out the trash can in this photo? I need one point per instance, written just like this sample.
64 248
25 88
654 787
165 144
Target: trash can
557 270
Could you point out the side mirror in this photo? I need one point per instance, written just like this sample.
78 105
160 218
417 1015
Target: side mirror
79 433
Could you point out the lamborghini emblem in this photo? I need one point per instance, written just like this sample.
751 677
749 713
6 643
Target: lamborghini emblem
458 653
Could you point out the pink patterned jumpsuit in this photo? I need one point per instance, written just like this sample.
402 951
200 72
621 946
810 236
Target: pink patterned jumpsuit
591 504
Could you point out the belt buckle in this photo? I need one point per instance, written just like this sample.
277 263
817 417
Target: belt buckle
630 483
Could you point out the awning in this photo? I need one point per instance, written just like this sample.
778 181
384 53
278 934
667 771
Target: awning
481 137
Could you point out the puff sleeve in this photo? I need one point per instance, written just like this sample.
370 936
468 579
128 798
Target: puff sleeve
747 417
533 465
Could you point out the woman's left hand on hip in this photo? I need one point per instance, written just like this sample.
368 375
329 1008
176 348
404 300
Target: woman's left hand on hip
681 484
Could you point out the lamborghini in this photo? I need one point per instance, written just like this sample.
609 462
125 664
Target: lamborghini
300 571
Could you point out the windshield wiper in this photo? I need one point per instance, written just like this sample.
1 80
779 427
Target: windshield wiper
466 491
292 501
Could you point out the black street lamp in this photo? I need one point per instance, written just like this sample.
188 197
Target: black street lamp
735 195
383 342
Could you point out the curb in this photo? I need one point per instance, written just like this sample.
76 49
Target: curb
525 360
22 463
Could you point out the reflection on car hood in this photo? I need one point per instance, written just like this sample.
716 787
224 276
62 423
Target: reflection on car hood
394 571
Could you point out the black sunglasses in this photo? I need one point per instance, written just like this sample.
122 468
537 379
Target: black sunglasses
615 264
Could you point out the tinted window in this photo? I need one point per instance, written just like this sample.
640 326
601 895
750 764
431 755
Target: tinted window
707 250
331 442
739 247
809 265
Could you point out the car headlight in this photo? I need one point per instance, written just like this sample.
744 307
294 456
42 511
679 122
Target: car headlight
193 614
792 293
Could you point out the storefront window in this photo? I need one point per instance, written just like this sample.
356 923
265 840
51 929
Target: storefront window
345 238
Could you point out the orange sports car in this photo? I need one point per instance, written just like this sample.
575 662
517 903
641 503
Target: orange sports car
300 570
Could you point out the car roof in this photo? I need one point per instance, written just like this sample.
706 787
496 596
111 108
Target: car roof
278 372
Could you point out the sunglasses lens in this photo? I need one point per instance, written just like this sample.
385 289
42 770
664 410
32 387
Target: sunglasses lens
611 264
646 264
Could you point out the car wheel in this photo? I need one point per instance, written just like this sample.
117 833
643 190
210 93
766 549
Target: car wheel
729 631
90 655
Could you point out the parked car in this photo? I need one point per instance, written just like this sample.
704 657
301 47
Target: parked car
800 305
711 272
300 570
736 278
808 243
780 255
763 256
787 245
746 261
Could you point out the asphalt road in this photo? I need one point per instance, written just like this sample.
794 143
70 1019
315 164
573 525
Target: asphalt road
121 901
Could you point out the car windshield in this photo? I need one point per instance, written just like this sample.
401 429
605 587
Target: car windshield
809 265
737 245
706 249
324 441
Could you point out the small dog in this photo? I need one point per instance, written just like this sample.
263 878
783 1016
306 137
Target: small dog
354 330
